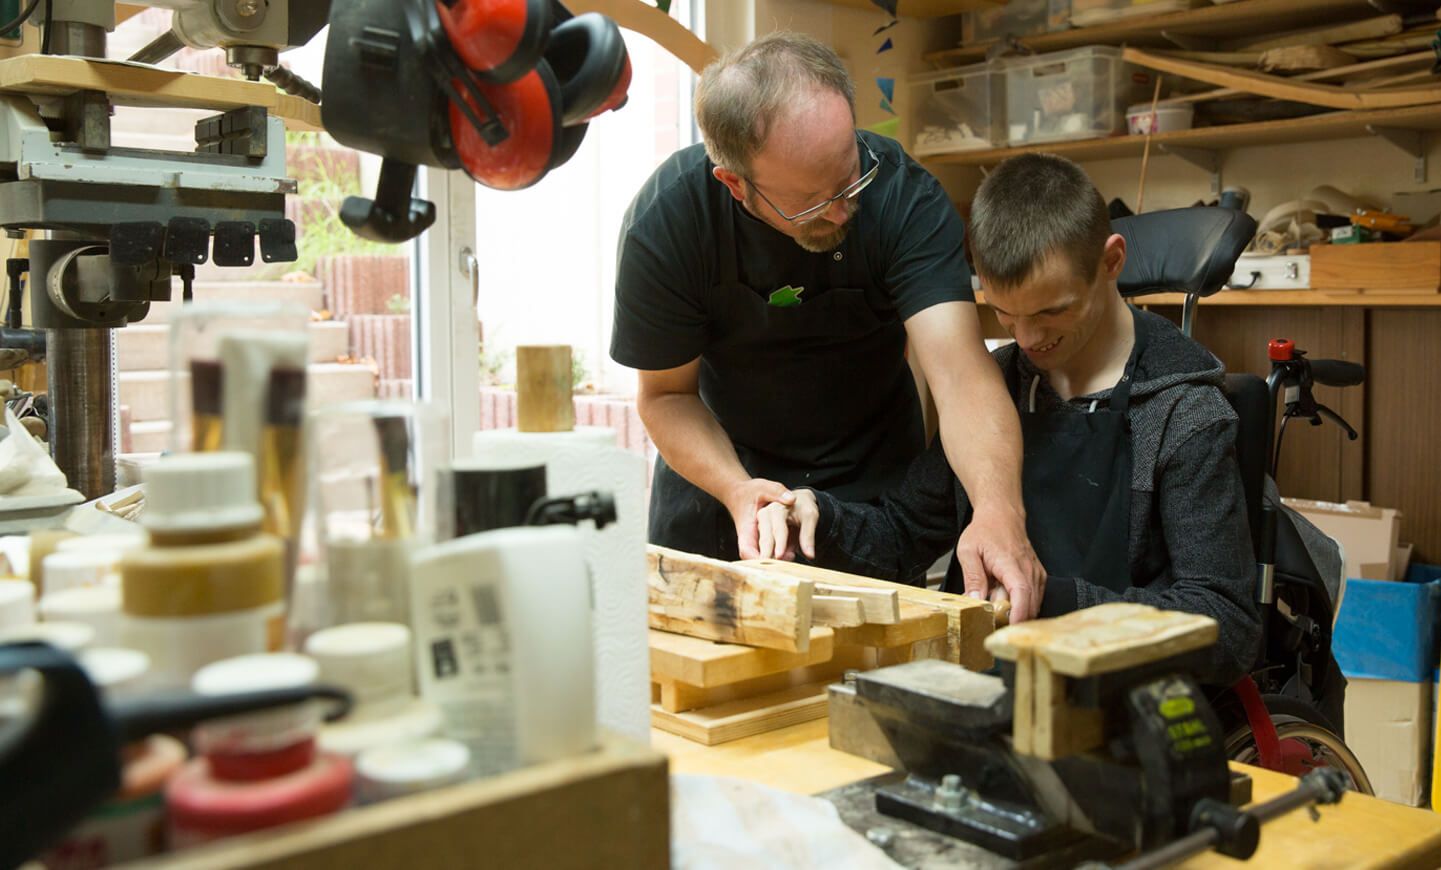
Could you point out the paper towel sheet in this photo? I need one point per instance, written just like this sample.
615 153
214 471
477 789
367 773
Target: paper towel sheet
579 461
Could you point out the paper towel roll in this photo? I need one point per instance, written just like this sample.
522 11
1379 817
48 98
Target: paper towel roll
581 460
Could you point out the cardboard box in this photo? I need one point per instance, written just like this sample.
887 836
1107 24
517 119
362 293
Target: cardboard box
1388 726
1369 536
1378 267
1387 631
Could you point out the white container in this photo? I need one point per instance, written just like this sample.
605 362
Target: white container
1077 94
116 670
117 544
503 629
72 569
17 603
1017 18
373 662
1273 272
961 109
1166 119
1089 13
71 637
408 768
96 606
263 730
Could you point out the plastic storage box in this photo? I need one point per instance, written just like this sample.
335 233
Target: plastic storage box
960 109
1089 13
1016 18
1077 94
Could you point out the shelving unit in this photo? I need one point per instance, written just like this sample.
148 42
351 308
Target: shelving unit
1197 29
1291 298
923 8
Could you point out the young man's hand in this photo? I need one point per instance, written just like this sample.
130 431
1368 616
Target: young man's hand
997 562
743 501
776 522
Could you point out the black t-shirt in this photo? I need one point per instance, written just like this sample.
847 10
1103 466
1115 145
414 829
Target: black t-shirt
904 246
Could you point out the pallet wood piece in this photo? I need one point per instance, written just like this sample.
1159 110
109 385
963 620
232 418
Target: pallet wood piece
706 663
917 623
1415 59
1383 267
746 717
543 382
1355 31
1409 40
733 602
968 620
837 611
1023 713
1304 58
1222 58
678 697
880 605
1059 729
1281 88
614 803
141 85
1105 638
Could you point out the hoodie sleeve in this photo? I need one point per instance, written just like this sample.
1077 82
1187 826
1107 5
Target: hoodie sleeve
1203 519
903 534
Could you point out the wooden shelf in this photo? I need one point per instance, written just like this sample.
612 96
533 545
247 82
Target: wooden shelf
1332 125
1292 299
923 8
1242 18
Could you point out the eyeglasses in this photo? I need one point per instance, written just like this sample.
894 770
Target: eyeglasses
852 191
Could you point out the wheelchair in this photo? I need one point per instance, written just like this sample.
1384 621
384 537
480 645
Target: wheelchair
1287 715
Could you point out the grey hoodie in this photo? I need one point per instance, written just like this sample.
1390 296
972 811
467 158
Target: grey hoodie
1190 545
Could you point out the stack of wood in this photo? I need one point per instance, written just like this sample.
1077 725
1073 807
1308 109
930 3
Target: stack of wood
747 647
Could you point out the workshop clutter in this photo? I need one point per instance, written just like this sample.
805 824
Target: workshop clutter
762 660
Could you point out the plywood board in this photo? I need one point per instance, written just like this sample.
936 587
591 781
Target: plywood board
747 717
733 602
1104 638
707 663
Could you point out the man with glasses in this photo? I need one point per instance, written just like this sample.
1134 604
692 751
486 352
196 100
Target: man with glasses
769 288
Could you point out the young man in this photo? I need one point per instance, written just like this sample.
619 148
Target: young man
1130 480
768 288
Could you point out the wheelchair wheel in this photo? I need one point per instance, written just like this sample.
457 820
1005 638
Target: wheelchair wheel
1307 742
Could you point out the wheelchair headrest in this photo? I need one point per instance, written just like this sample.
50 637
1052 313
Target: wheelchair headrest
1185 250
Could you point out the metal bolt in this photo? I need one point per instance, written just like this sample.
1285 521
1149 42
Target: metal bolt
849 677
881 837
247 8
949 794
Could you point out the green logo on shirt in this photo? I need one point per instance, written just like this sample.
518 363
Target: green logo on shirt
787 297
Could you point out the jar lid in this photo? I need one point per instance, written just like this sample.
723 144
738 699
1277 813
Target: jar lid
115 544
115 669
265 730
406 768
69 636
201 492
81 603
17 603
370 659
69 569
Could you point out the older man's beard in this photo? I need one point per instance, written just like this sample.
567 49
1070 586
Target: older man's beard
818 236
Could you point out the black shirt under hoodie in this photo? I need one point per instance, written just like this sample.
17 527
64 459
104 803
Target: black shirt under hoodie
1190 544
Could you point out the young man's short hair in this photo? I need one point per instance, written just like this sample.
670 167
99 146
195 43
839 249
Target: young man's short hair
1032 207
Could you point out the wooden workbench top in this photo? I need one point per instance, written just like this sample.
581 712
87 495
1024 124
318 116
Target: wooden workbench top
1360 832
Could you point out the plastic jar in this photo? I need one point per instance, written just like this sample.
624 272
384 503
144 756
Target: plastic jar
406 768
372 660
96 606
17 603
259 770
211 585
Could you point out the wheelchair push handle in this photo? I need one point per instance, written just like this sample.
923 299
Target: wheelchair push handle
1337 373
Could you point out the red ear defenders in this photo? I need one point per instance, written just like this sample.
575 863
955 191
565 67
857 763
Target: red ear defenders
540 84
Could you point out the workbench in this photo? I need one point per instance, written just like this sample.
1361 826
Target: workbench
1360 832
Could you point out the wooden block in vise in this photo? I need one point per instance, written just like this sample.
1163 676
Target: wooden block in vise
708 663
837 611
968 621
543 400
746 717
1105 638
733 602
1057 728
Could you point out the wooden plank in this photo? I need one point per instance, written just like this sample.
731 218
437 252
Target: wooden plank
1105 638
543 388
706 663
745 717
1023 714
1229 20
968 621
917 623
1354 31
1419 58
677 697
140 85
614 802
1335 125
1403 369
1385 267
1292 299
1329 96
880 605
1059 729
733 602
1304 58
837 611
921 8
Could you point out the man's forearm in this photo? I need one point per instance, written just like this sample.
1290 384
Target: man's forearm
982 437
693 444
